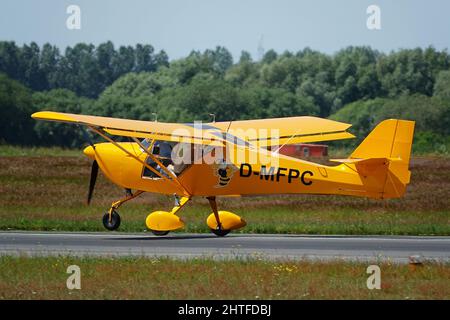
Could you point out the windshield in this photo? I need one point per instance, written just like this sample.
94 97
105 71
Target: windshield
145 143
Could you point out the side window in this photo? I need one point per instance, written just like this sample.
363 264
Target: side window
162 151
146 172
155 149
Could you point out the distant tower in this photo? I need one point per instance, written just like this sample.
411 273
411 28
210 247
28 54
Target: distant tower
260 53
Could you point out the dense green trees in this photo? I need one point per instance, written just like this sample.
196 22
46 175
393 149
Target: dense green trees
431 114
442 85
411 71
358 85
16 126
50 133
84 69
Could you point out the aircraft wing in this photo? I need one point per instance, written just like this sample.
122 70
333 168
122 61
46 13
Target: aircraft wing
177 132
290 130
262 133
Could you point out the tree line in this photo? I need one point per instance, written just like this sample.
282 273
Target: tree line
84 69
359 85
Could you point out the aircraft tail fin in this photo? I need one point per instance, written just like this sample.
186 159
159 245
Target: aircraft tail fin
383 157
390 139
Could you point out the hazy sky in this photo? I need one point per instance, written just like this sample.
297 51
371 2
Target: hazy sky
178 26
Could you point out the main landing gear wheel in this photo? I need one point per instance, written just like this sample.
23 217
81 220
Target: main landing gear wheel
114 223
160 233
220 232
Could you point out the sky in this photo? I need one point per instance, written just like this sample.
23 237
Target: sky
179 26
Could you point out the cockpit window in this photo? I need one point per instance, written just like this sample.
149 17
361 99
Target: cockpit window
157 146
155 149
161 149
145 143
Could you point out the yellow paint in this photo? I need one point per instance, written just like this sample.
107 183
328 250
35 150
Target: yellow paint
305 139
89 152
299 128
163 221
228 220
183 201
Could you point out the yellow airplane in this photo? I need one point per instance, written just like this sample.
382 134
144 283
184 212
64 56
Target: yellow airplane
237 158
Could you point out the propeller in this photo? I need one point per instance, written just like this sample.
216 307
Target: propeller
94 169
94 173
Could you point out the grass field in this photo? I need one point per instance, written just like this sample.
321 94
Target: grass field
16 151
42 192
144 278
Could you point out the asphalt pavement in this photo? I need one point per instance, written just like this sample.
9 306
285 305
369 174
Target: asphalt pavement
184 246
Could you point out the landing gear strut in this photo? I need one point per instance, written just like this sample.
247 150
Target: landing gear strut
160 223
111 219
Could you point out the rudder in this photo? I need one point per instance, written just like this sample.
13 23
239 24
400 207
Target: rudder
392 140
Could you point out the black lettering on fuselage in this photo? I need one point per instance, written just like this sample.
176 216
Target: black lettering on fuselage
266 174
293 174
269 174
306 183
279 174
249 170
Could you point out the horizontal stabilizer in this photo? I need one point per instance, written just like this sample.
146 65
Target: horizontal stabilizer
370 161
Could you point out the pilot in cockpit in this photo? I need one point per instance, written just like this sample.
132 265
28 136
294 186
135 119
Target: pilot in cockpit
163 151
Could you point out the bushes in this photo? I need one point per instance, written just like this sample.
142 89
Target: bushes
16 126
426 142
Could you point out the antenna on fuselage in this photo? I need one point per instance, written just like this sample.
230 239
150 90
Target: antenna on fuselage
156 116
213 115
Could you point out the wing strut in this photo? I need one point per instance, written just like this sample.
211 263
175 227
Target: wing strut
152 156
176 182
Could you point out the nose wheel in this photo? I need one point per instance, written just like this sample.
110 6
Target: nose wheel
113 222
111 219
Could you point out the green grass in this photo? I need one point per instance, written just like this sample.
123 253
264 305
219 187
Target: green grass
271 220
151 278
18 151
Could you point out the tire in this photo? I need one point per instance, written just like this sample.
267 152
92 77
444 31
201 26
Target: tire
114 223
160 233
220 232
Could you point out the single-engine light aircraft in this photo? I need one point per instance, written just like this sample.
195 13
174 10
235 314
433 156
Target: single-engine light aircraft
237 158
